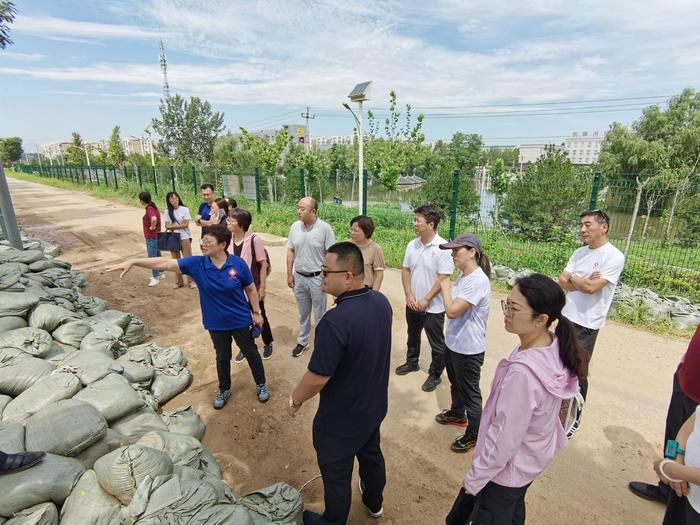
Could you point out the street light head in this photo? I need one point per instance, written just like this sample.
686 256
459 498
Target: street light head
346 106
361 92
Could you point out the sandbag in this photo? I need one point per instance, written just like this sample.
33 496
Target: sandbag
66 304
139 353
30 340
112 396
122 470
91 366
223 491
174 501
89 504
42 514
89 304
183 450
138 423
208 463
278 504
169 382
62 293
112 440
103 338
135 332
59 353
49 317
66 427
16 304
8 254
184 420
233 514
19 372
47 390
11 437
139 374
121 319
167 357
11 323
72 333
9 275
52 479
4 401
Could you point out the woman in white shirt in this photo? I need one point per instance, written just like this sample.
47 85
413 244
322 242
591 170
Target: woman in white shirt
177 218
467 309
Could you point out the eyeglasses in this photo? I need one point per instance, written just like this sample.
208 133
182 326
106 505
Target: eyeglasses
507 308
206 244
598 213
324 273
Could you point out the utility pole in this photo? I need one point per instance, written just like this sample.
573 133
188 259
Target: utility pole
164 70
307 141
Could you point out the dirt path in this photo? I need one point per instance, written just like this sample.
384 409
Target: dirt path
258 444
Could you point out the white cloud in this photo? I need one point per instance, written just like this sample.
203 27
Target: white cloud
22 57
54 27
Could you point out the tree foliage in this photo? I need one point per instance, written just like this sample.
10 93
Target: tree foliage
75 156
466 151
543 202
115 152
7 16
10 149
188 129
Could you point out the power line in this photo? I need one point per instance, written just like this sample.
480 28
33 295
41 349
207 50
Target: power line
273 118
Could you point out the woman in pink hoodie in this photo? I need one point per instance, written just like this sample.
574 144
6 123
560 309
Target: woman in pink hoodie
520 428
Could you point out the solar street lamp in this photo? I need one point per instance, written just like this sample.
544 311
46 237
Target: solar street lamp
359 94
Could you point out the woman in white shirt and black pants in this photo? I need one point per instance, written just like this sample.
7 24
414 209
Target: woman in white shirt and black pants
467 305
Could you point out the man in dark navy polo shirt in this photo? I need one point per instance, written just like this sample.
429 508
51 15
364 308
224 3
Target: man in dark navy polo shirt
203 217
350 369
224 281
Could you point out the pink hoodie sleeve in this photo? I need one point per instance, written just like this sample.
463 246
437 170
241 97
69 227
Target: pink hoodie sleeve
501 440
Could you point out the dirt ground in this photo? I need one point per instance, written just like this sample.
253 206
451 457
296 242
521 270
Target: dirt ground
257 445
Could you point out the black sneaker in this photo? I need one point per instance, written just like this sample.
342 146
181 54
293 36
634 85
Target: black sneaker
267 351
448 417
463 445
406 368
431 383
22 461
299 349
239 358
375 514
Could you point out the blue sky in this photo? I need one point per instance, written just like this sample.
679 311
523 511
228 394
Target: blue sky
515 72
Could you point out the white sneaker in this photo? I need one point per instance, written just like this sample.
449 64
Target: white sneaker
374 514
161 276
154 281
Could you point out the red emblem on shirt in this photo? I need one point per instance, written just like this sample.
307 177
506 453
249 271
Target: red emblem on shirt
232 274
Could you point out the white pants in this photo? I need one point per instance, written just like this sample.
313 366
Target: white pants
309 296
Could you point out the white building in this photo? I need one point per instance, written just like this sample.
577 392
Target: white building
325 143
584 148
529 153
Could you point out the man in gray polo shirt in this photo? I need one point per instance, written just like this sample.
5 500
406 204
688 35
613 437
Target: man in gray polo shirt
308 240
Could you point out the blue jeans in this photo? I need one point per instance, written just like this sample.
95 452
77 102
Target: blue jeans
153 251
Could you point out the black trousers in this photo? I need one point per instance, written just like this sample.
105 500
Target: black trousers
433 325
336 459
680 408
245 341
494 505
464 372
265 331
587 336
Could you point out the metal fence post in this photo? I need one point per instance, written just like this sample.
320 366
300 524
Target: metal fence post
104 173
453 203
194 179
11 230
172 177
364 192
257 189
594 190
138 176
302 188
155 180
114 174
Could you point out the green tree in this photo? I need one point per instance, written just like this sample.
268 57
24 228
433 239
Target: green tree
499 178
268 156
543 202
316 165
75 156
466 151
7 16
188 129
10 149
115 151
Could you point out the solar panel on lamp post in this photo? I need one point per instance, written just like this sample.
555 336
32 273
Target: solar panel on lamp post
359 94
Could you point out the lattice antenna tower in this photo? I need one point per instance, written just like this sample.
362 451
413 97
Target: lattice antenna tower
164 70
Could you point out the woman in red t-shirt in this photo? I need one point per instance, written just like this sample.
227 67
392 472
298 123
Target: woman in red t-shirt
151 227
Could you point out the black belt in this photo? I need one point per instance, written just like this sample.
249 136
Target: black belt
312 274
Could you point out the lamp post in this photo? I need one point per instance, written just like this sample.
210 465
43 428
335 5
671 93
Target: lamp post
150 148
359 94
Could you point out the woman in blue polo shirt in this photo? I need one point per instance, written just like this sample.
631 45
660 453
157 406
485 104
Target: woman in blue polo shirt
223 281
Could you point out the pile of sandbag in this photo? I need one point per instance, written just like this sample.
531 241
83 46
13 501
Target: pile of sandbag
79 382
639 301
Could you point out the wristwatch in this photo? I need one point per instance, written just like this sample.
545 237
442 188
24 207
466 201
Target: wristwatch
568 279
293 404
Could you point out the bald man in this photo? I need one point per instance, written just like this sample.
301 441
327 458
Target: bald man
309 239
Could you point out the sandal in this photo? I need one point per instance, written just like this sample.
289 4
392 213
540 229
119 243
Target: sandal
178 285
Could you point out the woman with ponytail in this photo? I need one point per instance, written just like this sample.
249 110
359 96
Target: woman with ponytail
467 305
151 227
520 427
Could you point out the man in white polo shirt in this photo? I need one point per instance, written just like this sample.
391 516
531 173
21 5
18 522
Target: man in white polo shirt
589 279
308 240
424 266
